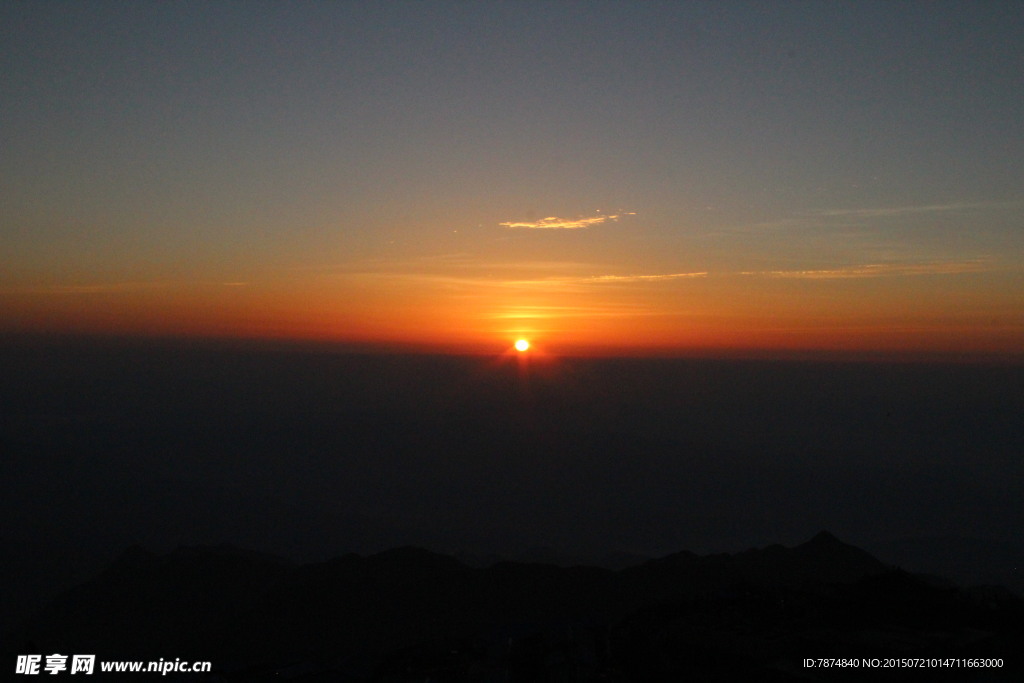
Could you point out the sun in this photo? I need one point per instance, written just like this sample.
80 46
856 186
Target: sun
522 345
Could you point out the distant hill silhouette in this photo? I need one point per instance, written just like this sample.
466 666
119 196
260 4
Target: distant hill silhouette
410 614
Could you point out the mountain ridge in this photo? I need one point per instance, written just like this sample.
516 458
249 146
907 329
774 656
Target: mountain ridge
359 615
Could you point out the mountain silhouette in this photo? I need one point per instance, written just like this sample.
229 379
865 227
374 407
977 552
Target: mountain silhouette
412 614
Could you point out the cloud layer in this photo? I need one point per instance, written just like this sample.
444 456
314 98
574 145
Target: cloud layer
556 223
881 270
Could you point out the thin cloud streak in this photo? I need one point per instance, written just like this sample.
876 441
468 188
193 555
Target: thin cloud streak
854 218
556 223
904 210
874 270
461 261
559 282
646 278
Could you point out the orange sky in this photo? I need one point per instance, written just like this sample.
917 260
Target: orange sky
662 177
966 312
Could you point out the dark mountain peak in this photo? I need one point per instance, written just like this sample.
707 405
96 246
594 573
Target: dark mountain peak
824 544
822 559
823 539
833 560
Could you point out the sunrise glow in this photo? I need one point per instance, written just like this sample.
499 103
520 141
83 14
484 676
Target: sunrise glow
439 214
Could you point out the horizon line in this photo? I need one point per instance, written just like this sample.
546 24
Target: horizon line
563 351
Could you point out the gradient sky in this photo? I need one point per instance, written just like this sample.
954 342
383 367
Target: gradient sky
639 176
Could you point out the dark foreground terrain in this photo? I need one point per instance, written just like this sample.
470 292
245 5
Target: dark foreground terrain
413 615
310 453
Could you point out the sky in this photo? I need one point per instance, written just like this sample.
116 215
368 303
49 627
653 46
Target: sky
596 177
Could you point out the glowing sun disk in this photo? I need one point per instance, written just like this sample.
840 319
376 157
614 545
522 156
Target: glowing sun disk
522 345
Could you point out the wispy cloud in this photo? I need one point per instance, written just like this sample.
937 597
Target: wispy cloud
445 262
645 278
546 283
572 279
905 210
556 223
539 266
584 281
873 270
856 219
